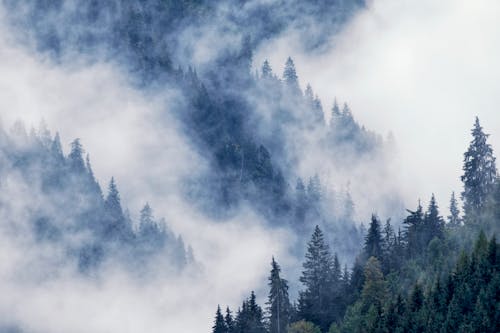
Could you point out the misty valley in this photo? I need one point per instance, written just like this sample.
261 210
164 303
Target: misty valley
253 166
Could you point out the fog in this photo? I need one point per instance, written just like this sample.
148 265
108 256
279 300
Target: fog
421 70
120 128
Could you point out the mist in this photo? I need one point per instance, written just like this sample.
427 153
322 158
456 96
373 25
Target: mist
418 72
421 71
127 137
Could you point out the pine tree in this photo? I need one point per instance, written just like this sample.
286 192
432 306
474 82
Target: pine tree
267 72
278 301
335 114
112 203
373 239
314 191
219 323
300 201
75 157
413 231
454 217
389 247
374 288
93 185
479 174
433 222
56 150
249 319
314 301
290 76
228 319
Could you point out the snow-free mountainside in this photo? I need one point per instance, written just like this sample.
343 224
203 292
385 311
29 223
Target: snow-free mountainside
235 199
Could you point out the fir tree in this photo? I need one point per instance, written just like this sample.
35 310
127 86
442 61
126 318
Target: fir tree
112 203
479 174
413 231
314 301
374 288
290 76
373 239
278 302
335 115
454 217
75 157
228 319
267 72
56 150
433 222
219 324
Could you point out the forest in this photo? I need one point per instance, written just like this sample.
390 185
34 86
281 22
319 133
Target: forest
432 274
250 171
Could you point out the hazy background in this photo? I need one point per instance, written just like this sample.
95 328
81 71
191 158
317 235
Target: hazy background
422 70
419 69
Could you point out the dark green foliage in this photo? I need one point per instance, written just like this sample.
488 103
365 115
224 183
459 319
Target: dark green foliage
278 302
315 300
219 324
454 219
373 240
249 318
479 174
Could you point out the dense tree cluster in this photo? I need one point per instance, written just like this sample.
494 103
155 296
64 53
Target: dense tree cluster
75 207
430 275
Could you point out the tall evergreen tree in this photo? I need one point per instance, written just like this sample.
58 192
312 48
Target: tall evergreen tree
228 319
266 71
278 302
219 323
433 222
374 288
479 174
56 150
314 301
250 317
290 76
75 157
454 217
413 231
335 114
373 239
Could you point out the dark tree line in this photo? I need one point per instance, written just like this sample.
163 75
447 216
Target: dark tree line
429 275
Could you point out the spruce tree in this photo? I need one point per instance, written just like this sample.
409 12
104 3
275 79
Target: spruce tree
290 76
373 239
300 201
219 323
454 217
413 231
335 112
75 157
374 287
266 71
228 319
314 301
56 150
433 222
278 302
479 174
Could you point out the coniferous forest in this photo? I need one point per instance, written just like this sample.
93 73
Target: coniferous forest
250 166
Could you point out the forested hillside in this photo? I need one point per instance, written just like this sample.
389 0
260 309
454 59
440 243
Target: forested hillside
54 200
246 160
431 274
